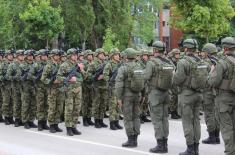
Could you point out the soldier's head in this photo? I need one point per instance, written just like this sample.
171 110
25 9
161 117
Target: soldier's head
37 56
44 54
145 54
208 49
131 54
89 55
29 54
63 56
100 54
9 54
174 54
190 46
159 48
55 55
228 44
115 54
72 54
81 56
20 55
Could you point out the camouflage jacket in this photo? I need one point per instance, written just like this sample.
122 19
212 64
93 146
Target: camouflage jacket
3 70
13 71
33 72
109 68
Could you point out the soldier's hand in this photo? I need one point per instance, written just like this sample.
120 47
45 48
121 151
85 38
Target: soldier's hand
119 102
81 66
56 82
100 77
73 79
212 68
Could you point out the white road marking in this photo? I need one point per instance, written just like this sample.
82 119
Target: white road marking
92 143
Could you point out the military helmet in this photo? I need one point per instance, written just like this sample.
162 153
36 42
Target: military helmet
159 45
228 42
114 51
123 54
43 52
209 48
55 52
9 52
81 53
145 52
72 51
88 52
99 51
190 43
174 52
29 52
131 53
19 52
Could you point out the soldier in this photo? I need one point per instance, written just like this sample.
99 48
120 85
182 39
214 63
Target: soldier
128 86
1 59
87 91
208 54
191 77
95 73
55 97
70 75
174 56
159 73
13 75
81 57
222 78
110 73
28 110
7 105
35 74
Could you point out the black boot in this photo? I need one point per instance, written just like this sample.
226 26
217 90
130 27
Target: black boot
97 123
52 128
135 137
45 126
76 132
7 121
118 125
166 143
89 121
69 131
11 120
102 124
196 148
189 151
57 128
1 119
141 120
120 117
40 125
211 139
217 136
85 122
32 125
174 115
18 122
130 142
113 126
145 119
160 148
26 125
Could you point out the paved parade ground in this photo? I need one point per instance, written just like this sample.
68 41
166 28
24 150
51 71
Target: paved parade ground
18 141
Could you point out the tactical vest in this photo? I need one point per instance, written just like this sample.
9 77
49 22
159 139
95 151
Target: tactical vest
228 82
163 74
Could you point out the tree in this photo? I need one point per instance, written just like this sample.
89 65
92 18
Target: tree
208 19
110 40
42 20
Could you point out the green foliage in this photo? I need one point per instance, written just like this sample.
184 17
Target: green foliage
42 20
110 40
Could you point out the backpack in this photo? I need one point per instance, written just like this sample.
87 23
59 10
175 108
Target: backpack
198 73
135 77
163 74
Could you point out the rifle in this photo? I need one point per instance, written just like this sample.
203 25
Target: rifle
213 60
98 72
38 74
53 77
113 75
24 75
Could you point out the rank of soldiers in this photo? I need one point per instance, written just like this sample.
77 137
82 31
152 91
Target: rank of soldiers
56 86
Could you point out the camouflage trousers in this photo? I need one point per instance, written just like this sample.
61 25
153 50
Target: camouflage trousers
41 100
87 93
210 113
72 106
159 101
173 106
16 98
226 107
114 110
189 105
144 105
131 112
7 105
28 110
55 102
99 102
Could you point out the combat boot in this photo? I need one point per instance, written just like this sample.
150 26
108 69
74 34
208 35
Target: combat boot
211 139
165 143
11 120
145 119
76 132
57 128
135 137
189 151
32 125
130 142
196 148
7 121
85 122
52 128
102 124
112 125
89 121
97 123
118 125
160 148
45 126
40 125
26 125
18 122
174 115
217 136
1 119
69 131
